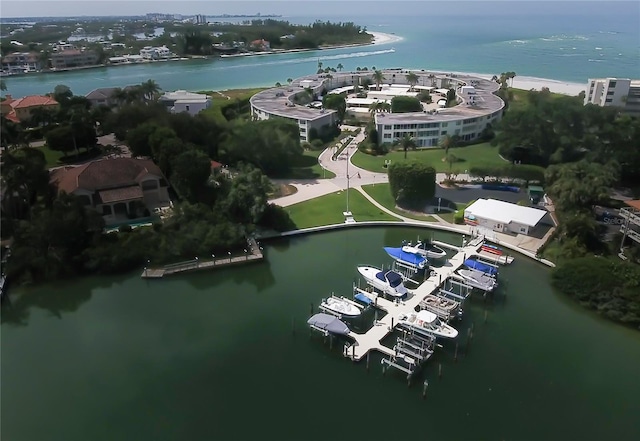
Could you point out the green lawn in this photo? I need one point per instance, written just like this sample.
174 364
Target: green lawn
382 194
52 157
327 210
469 156
308 168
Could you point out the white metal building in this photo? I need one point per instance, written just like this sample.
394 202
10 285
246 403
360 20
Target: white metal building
503 217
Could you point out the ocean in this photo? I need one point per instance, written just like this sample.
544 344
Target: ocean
567 41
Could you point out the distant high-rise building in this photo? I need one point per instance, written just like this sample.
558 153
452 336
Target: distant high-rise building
200 19
615 92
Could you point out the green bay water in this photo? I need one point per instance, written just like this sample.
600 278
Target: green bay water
212 355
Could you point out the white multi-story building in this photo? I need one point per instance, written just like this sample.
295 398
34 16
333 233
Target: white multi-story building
183 101
477 108
615 92
156 53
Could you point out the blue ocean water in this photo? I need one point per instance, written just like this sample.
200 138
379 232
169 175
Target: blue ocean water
567 41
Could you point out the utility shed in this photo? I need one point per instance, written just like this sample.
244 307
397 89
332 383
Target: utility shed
503 216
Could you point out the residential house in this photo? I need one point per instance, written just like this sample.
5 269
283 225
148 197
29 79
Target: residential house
19 62
156 53
120 189
73 58
102 96
260 45
21 108
183 101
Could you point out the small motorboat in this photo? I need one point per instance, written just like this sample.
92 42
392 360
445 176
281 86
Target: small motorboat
389 282
340 306
478 279
426 249
414 259
328 324
427 323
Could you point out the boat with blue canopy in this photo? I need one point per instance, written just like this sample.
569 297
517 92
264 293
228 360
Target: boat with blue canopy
485 268
403 256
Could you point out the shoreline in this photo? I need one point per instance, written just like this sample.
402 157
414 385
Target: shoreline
525 82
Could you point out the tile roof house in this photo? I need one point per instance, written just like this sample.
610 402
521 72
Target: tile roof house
119 188
102 96
261 44
21 107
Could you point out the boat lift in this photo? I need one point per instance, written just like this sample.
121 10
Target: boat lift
410 352
407 271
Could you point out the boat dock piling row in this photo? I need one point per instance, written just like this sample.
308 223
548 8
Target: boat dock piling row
253 253
412 350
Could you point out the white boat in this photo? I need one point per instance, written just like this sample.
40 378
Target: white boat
478 279
389 282
340 306
427 323
426 249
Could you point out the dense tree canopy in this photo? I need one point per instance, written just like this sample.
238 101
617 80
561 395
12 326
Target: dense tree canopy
550 129
413 184
403 104
273 145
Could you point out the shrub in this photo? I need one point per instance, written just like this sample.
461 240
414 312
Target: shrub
412 184
404 104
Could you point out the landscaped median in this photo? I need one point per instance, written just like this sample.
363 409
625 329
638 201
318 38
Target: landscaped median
328 209
479 155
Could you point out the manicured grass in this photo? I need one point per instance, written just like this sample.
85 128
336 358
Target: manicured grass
382 194
520 100
308 168
52 157
327 210
469 156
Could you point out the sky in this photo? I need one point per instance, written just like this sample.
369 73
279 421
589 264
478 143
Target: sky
326 8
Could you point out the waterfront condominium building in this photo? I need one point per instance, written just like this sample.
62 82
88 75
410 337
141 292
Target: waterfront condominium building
476 105
615 92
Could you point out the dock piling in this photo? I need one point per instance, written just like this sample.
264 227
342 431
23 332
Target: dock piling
485 316
368 362
440 370
455 353
330 342
425 385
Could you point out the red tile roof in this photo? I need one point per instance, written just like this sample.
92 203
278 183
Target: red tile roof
104 174
634 203
215 165
32 101
121 194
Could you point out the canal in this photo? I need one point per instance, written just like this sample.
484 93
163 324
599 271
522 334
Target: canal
212 355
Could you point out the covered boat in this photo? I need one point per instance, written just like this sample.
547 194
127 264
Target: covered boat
403 256
389 282
426 249
340 306
485 268
478 279
328 324
427 323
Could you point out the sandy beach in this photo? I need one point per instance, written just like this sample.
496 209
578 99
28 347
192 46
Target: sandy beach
528 83
382 38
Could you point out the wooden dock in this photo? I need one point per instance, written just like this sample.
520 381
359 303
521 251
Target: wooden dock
253 253
371 340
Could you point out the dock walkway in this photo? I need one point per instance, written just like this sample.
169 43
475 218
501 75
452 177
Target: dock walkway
253 253
371 340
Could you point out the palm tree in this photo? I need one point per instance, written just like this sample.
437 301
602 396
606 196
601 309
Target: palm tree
432 77
3 86
412 79
378 78
319 64
407 142
150 90
289 80
449 141
340 67
278 84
